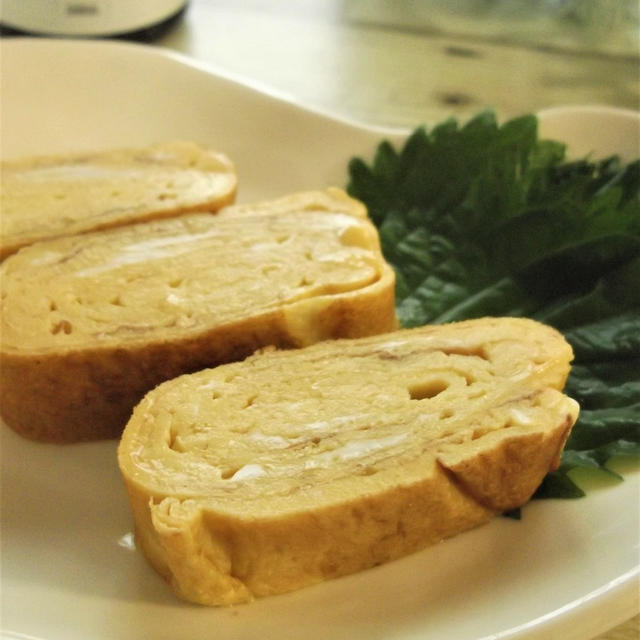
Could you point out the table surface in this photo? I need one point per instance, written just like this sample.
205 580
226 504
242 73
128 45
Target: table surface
407 63
404 64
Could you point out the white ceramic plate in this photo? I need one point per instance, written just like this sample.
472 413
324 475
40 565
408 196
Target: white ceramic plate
568 570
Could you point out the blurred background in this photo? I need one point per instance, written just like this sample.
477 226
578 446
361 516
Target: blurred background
399 63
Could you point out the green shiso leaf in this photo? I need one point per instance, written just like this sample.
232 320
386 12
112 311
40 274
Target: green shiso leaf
488 219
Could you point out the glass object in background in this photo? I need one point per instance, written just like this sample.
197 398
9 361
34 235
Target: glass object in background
605 26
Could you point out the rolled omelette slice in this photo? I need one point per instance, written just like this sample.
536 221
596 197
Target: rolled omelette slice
47 197
90 323
294 467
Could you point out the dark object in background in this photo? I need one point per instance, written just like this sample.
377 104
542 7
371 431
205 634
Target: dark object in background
142 20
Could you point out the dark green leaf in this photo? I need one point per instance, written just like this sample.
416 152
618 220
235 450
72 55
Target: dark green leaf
487 219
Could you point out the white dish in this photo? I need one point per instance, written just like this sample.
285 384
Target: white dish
568 570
